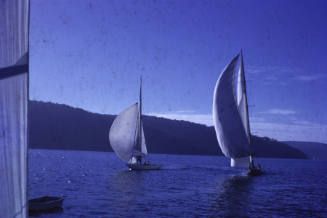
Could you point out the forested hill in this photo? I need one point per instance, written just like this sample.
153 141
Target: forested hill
313 150
57 126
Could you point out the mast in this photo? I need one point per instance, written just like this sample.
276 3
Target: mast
246 101
140 116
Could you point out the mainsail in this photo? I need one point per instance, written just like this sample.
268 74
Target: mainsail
227 116
14 23
122 134
126 133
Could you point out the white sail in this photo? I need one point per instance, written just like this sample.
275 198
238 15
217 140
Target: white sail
123 133
141 131
243 111
143 147
229 127
126 134
242 98
13 107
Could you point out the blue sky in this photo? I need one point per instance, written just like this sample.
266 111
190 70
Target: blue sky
90 54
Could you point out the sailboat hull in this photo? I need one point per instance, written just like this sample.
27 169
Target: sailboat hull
144 167
255 172
242 162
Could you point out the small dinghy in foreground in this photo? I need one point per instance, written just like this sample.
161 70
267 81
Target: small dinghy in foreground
44 204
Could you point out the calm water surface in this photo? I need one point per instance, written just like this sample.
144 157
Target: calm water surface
97 184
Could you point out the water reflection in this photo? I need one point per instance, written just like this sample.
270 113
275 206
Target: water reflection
126 188
232 197
127 181
54 212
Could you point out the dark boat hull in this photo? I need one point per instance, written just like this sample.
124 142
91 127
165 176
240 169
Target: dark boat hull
143 167
45 203
255 172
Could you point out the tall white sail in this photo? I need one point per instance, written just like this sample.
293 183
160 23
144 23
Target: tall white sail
14 18
243 111
123 133
143 147
141 131
242 98
228 123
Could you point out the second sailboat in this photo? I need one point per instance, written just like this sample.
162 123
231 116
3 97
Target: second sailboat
127 139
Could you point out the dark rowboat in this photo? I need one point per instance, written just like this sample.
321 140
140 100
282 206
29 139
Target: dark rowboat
45 203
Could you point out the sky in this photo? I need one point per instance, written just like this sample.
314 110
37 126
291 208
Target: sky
91 53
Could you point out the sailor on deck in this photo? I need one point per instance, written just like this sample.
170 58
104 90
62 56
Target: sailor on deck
252 166
139 159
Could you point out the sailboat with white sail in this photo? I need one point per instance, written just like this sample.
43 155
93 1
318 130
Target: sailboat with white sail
126 137
231 116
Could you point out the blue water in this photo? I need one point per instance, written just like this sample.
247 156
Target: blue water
97 184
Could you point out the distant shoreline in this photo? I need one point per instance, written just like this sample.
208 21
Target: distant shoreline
58 126
34 148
